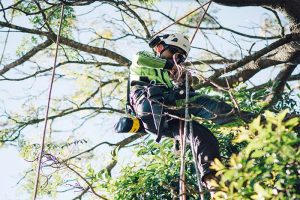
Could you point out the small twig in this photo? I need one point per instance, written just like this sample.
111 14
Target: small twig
82 193
87 182
278 20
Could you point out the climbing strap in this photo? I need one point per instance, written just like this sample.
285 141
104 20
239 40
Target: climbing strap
129 109
47 110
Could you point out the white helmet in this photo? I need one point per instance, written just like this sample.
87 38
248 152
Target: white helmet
177 40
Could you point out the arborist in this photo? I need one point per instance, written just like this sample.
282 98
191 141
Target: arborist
157 99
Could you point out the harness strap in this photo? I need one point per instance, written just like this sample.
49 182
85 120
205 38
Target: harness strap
128 108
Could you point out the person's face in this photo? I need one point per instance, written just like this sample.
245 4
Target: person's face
162 52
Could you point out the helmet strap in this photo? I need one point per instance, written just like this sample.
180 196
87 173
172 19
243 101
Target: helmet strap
159 49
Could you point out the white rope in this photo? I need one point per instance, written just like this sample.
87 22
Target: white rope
192 141
187 125
179 72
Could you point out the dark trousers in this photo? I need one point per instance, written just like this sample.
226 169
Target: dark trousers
205 144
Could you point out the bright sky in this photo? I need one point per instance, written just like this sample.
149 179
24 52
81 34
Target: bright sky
12 166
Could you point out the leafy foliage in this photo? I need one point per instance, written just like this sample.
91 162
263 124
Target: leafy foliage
52 14
262 162
268 167
154 174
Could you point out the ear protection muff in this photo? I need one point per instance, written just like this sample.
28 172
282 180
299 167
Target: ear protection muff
154 41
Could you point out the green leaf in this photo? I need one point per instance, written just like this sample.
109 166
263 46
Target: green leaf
282 115
257 154
293 122
259 190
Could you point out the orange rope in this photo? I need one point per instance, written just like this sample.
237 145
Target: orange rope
198 26
48 106
180 19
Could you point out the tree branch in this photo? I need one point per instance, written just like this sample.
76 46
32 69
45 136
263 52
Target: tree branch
278 20
120 144
247 72
86 181
71 43
82 193
28 55
142 22
219 27
23 29
288 38
95 50
59 65
279 84
241 3
295 77
21 125
289 7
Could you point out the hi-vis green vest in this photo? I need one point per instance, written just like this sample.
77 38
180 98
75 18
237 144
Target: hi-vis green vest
149 68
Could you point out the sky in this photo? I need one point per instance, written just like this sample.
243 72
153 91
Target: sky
12 166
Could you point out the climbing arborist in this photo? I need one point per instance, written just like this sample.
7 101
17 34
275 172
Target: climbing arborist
157 99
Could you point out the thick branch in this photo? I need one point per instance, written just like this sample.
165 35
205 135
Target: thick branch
71 43
240 3
279 84
247 72
290 7
95 50
28 55
295 77
288 38
23 29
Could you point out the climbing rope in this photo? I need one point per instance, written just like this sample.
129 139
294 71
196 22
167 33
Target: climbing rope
198 26
182 18
47 110
182 182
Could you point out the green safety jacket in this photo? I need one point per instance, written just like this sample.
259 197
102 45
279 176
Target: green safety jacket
146 67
